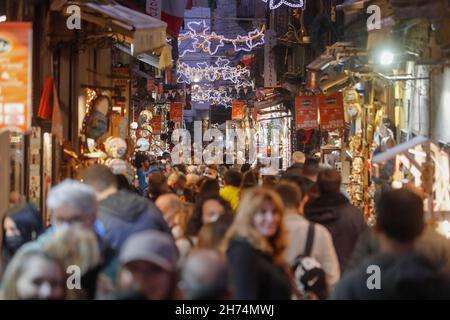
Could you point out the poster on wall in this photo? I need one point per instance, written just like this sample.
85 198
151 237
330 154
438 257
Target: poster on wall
306 112
237 112
176 114
331 110
15 76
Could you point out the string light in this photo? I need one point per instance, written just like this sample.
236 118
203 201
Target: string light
274 4
220 70
211 95
210 42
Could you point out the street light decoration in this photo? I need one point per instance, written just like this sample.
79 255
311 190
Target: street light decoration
274 4
210 42
221 70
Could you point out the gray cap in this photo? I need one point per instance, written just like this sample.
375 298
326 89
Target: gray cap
152 246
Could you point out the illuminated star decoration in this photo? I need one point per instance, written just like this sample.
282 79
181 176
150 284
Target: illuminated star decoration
210 43
212 96
239 76
273 4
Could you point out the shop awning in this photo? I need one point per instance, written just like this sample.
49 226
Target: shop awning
144 33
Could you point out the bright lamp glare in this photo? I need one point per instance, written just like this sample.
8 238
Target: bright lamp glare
3 18
386 58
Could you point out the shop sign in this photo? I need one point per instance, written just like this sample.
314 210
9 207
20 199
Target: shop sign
331 110
156 125
176 113
306 112
237 110
15 76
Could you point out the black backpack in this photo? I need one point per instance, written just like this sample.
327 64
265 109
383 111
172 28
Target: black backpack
310 278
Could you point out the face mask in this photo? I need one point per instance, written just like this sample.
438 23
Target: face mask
13 242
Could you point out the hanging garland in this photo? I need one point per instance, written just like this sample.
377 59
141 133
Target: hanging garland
211 42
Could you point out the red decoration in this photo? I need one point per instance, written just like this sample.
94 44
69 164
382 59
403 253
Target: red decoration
237 110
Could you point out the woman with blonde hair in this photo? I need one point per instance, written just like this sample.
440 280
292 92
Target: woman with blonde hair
254 246
34 274
77 246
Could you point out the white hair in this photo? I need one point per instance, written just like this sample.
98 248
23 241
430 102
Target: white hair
74 194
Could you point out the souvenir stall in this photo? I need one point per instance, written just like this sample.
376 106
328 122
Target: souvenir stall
422 164
273 124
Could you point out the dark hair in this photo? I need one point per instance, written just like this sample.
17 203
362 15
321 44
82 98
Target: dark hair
269 181
304 184
311 167
196 222
232 177
290 193
249 180
100 177
123 183
245 167
211 235
139 159
209 188
213 167
157 185
400 215
181 167
329 181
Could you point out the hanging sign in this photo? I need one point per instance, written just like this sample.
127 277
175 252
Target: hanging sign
176 113
306 112
237 110
331 110
15 76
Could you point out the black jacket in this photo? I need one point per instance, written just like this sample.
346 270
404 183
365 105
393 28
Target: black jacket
125 213
295 170
254 274
408 276
344 221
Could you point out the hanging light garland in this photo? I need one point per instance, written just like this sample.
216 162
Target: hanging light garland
238 75
274 4
210 42
211 95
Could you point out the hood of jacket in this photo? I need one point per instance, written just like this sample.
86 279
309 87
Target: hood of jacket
325 208
124 204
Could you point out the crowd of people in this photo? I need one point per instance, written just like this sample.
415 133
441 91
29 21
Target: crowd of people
219 232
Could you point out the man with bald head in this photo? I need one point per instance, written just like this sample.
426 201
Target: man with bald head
169 204
205 276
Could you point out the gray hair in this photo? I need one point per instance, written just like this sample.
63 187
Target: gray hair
74 194
205 276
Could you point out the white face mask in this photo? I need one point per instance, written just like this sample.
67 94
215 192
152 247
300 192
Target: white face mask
176 232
